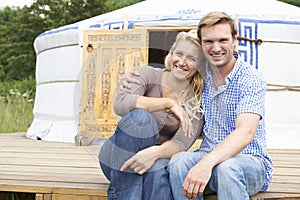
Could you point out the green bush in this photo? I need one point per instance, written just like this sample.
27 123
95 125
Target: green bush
24 86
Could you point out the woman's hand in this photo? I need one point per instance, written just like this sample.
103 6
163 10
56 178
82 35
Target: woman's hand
181 115
127 78
143 160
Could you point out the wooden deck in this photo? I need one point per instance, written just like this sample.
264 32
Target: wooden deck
52 170
63 171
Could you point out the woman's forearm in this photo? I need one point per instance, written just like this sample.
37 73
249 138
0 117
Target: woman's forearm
153 104
168 149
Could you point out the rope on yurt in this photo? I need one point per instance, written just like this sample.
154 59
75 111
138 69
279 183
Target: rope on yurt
57 81
278 87
260 41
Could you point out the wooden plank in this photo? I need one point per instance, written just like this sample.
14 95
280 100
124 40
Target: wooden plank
264 196
43 196
37 143
274 196
50 155
56 178
53 187
50 169
286 171
51 150
81 197
49 162
292 188
284 151
286 179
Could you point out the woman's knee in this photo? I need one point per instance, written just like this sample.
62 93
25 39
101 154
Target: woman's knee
104 158
139 123
140 117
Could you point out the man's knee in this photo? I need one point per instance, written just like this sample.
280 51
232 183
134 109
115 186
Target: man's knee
228 171
228 166
177 157
178 162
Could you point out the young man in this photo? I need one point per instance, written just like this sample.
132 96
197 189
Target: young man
232 159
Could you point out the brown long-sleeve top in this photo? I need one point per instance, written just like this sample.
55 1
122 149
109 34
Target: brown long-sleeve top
151 86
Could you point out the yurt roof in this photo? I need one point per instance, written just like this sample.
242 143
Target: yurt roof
184 13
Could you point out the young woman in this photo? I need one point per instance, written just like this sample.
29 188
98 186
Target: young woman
160 116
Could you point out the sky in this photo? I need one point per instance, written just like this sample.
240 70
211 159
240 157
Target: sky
15 3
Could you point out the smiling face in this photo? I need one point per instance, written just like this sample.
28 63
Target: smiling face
184 60
218 44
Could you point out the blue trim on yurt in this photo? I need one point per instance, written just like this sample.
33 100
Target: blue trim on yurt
53 31
110 25
248 28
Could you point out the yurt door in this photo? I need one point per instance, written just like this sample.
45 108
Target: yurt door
107 55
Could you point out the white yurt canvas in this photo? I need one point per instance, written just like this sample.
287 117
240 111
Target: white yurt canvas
277 25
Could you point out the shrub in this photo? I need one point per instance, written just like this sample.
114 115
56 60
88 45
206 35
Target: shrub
24 86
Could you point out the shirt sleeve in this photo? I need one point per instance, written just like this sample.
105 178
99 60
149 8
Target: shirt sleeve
253 98
185 142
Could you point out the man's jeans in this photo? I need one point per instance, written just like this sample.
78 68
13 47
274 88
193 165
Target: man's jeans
136 131
234 179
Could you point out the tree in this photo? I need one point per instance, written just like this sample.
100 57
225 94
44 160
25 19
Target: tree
63 12
17 33
20 26
292 2
116 4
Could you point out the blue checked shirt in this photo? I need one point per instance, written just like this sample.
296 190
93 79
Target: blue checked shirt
244 92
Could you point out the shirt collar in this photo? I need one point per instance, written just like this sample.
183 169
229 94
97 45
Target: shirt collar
235 69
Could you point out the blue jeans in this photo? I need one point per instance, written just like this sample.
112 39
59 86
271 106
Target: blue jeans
136 131
233 179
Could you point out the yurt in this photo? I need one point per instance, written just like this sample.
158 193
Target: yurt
78 65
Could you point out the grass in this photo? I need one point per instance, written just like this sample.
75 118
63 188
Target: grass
15 111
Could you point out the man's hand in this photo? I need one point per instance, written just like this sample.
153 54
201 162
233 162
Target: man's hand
142 161
196 180
127 78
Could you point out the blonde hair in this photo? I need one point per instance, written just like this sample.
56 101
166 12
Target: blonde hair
190 98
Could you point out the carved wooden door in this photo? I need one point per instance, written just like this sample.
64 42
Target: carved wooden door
107 55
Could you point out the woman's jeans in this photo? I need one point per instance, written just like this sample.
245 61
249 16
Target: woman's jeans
136 131
233 179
